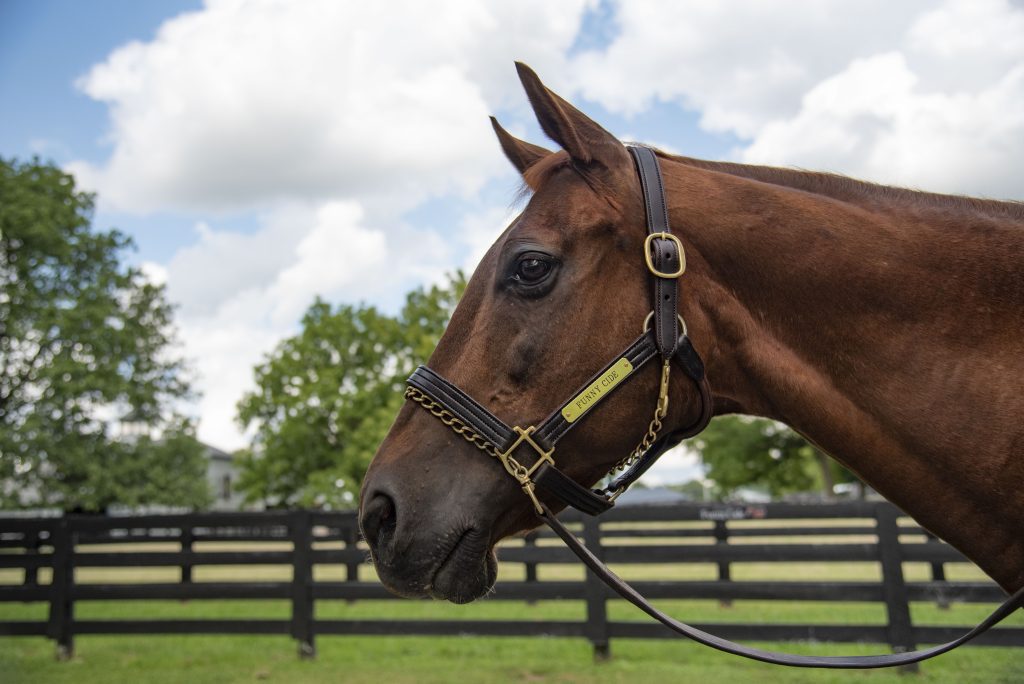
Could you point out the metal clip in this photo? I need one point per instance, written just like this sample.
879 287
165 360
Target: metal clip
529 489
662 409
615 495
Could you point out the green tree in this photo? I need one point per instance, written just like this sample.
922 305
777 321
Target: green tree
741 451
83 342
692 489
326 397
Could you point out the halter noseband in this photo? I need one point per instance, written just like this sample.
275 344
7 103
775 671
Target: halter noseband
666 339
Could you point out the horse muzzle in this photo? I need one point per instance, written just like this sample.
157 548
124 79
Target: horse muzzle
419 550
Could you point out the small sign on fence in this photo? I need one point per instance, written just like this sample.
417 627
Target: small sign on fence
734 513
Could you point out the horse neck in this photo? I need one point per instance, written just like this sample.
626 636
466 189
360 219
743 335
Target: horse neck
887 331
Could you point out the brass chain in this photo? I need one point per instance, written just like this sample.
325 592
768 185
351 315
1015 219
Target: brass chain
645 443
660 411
517 470
449 419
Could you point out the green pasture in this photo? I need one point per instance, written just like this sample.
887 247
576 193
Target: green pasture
199 659
216 659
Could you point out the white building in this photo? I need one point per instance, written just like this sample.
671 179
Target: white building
222 474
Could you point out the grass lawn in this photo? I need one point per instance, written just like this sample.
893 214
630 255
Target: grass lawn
221 659
197 659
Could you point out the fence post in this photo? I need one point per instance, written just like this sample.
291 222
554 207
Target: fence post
59 627
597 605
32 543
938 573
186 538
724 571
301 529
350 535
894 589
530 540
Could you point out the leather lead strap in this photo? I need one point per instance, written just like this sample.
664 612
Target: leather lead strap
701 637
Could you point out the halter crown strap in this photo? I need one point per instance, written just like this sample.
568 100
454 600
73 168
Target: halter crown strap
662 251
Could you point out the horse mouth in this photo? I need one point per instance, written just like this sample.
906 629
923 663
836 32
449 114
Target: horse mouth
467 571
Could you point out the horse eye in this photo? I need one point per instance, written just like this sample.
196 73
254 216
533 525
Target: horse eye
532 270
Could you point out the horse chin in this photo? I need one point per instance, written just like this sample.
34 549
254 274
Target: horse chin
467 572
459 567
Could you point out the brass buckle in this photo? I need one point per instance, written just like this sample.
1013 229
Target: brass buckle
650 263
647 322
521 473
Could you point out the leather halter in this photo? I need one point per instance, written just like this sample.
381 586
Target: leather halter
665 259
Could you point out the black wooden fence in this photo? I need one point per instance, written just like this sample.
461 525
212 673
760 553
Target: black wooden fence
840 533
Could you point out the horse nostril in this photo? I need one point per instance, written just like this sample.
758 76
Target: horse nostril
378 520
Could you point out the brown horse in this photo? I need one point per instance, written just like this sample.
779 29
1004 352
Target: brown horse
885 325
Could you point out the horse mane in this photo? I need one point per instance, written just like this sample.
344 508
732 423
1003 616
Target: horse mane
832 185
846 189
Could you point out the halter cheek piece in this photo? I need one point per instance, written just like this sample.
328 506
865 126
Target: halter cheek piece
667 341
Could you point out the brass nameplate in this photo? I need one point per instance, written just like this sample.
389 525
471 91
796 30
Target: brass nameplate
586 399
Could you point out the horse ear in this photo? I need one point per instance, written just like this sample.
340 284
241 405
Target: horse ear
581 137
521 153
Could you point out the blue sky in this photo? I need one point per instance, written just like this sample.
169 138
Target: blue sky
261 154
44 48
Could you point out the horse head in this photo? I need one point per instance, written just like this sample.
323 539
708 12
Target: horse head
562 291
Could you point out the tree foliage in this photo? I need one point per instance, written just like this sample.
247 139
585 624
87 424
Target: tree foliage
326 397
83 342
741 451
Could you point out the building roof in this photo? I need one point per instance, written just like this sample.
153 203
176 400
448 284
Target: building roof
642 496
215 454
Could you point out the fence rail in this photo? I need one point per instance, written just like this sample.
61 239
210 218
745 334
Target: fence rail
627 535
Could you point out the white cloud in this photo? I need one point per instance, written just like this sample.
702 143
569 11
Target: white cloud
741 64
911 93
678 464
154 272
223 263
223 350
242 293
479 230
248 102
874 120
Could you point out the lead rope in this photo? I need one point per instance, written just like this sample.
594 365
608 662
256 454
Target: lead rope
620 587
